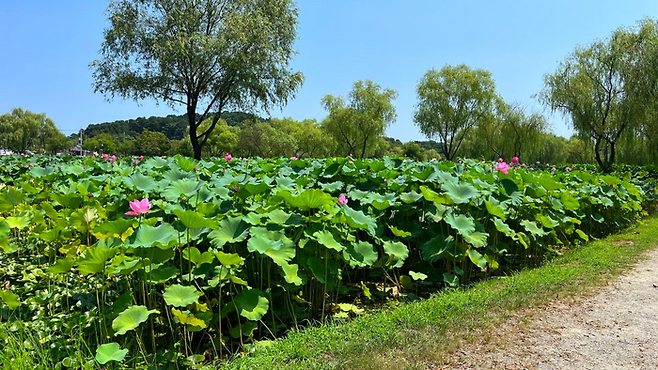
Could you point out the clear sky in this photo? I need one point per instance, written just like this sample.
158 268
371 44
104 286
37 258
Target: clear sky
46 46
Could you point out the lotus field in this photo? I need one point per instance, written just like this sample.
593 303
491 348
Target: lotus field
170 261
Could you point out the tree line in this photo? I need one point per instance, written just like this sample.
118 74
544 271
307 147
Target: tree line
218 56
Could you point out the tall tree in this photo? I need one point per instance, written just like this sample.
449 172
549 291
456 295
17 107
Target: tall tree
357 125
605 88
208 55
22 130
451 101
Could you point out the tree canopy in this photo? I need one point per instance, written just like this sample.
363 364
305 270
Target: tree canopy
208 55
22 130
606 88
357 125
451 101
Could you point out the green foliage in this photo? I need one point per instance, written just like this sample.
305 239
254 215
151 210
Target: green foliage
24 130
604 88
206 56
357 124
239 252
451 102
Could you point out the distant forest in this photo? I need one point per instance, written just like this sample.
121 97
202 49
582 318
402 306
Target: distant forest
173 126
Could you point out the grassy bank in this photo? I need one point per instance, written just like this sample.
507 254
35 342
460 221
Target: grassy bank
416 335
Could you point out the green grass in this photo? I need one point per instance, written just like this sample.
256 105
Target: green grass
415 335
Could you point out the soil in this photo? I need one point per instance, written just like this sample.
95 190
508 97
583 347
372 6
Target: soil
615 329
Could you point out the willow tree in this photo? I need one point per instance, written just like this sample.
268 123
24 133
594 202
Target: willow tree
451 102
605 88
207 55
358 124
22 130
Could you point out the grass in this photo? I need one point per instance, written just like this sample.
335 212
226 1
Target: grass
427 333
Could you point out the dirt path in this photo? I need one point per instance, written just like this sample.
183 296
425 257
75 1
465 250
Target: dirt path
616 329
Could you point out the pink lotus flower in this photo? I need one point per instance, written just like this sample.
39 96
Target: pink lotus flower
515 160
135 163
105 156
141 157
31 164
113 158
342 200
500 160
567 168
553 168
94 154
228 157
294 158
139 207
502 167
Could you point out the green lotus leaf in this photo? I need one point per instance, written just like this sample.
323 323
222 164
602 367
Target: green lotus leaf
194 220
186 164
477 258
193 255
547 221
462 223
307 199
327 238
163 236
495 210
361 254
291 274
187 318
359 220
61 266
110 352
18 222
123 265
161 273
257 188
39 172
181 187
410 197
397 252
119 228
570 203
251 304
95 259
280 217
477 239
417 275
274 244
130 319
180 296
69 200
432 196
229 259
437 247
140 182
10 299
582 235
532 228
503 227
399 233
230 230
317 269
332 186
460 193
12 197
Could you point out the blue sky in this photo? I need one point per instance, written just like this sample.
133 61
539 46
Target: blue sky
46 46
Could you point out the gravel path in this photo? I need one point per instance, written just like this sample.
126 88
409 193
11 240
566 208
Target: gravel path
616 329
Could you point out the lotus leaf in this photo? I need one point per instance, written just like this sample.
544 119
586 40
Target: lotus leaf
130 319
110 352
180 296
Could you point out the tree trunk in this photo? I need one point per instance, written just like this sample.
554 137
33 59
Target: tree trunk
194 139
